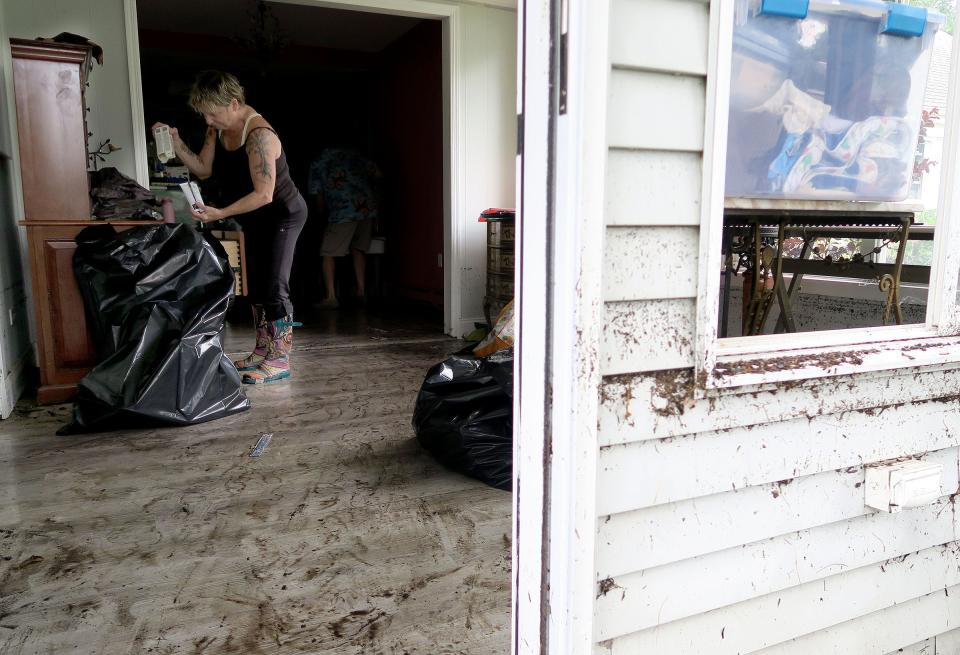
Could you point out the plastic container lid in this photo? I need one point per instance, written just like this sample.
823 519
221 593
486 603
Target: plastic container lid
497 214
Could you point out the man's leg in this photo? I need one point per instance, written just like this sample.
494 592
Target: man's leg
360 271
336 243
359 245
329 266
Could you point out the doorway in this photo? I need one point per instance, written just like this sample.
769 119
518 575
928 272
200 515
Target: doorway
478 83
328 80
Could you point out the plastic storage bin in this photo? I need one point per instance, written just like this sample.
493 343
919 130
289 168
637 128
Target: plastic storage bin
501 236
825 98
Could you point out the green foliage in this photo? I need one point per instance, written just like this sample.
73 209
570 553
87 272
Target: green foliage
945 7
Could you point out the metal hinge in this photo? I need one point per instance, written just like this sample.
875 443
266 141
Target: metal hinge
519 135
564 49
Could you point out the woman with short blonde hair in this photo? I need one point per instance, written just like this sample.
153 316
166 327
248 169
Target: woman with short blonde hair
243 153
214 89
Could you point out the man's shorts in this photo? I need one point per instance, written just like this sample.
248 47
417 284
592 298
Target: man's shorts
340 238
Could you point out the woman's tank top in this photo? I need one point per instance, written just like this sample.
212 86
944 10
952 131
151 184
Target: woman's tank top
231 169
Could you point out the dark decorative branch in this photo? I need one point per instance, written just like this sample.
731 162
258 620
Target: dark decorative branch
99 155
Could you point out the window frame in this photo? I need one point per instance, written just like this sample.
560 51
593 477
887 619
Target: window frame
739 363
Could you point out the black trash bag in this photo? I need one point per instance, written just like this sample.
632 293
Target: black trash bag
156 297
464 416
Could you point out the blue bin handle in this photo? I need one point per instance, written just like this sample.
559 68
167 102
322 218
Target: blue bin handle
904 20
785 8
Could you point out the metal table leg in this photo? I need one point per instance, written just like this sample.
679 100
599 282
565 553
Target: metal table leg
777 290
727 274
761 297
890 283
791 290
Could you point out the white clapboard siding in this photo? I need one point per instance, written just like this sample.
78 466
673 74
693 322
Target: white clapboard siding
883 631
649 263
800 610
637 182
948 643
644 539
647 335
650 473
658 35
626 416
655 111
647 598
925 647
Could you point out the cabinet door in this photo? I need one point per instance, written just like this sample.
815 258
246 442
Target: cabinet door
52 130
66 347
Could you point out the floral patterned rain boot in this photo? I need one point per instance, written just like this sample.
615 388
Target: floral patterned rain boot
276 365
251 361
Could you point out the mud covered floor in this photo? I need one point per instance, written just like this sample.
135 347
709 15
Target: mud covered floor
343 538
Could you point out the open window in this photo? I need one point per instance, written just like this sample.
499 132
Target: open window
829 227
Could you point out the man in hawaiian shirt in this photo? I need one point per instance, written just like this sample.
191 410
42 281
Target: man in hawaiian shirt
345 185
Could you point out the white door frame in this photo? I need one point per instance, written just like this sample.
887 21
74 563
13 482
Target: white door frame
530 350
14 374
560 305
454 157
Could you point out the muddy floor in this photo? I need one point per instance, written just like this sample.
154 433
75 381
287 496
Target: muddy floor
343 538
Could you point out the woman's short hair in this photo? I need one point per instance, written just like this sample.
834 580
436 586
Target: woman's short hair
215 89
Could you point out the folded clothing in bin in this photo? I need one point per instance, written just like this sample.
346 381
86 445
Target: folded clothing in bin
826 98
464 416
155 296
114 195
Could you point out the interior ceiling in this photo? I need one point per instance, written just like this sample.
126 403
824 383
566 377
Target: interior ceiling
302 25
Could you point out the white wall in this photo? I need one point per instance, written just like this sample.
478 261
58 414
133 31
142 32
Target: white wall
488 50
16 355
736 523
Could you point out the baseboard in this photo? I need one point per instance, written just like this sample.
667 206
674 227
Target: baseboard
13 385
466 326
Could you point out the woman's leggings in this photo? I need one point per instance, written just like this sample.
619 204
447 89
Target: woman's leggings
270 240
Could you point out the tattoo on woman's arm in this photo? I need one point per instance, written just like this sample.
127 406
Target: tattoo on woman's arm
256 144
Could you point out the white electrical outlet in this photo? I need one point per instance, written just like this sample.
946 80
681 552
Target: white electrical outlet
895 486
10 315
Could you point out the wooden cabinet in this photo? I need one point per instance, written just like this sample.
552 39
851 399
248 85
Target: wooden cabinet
49 81
66 348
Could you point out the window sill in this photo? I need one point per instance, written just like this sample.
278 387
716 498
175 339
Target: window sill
747 362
